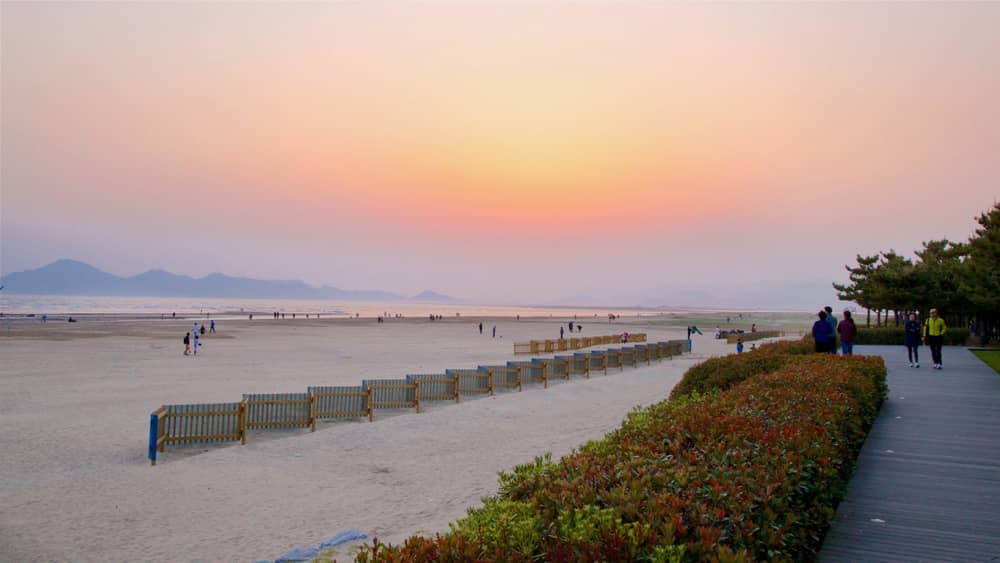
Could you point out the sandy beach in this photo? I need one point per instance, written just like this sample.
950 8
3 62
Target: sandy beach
75 484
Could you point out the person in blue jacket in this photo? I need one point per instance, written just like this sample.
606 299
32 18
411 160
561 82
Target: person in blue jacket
823 334
912 340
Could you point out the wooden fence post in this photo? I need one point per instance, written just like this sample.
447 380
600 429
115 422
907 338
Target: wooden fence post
242 422
312 412
416 395
154 432
457 387
368 403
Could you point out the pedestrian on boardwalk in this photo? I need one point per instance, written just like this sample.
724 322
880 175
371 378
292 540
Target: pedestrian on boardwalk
822 334
847 331
912 340
187 343
934 329
212 330
831 319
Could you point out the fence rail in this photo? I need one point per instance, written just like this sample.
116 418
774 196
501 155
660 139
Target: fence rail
221 422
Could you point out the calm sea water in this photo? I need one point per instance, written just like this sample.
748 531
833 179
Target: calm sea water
156 306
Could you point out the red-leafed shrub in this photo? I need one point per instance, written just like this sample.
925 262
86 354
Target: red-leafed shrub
751 473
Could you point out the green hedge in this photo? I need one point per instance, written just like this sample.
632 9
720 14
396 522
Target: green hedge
751 473
892 335
726 371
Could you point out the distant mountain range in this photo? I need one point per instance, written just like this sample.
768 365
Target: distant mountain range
70 277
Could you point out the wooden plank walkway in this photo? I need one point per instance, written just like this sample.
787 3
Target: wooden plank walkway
927 486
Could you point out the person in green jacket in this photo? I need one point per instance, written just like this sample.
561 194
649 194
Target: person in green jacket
934 329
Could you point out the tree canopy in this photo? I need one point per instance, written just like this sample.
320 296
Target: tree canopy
959 278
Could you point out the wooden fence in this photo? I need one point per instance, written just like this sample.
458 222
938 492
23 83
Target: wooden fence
503 377
220 422
748 336
279 410
189 424
436 387
472 381
391 394
340 402
573 343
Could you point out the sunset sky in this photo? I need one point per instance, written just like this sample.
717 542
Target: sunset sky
496 152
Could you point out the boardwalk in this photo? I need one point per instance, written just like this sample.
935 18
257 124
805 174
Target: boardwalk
927 487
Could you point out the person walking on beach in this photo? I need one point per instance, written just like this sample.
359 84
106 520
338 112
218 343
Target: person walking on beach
212 330
194 329
560 332
822 334
187 343
197 344
934 329
202 331
739 345
911 338
494 331
831 319
847 331
480 328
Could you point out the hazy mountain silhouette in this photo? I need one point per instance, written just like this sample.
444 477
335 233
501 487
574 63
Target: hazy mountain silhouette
431 296
70 277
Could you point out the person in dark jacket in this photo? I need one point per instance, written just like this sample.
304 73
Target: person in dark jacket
831 319
847 331
822 334
912 340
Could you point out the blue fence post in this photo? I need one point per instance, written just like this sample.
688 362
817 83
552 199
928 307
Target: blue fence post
154 425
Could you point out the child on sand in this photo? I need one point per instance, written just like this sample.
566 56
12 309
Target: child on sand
187 343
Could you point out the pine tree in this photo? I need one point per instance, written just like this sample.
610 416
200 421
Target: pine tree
980 282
